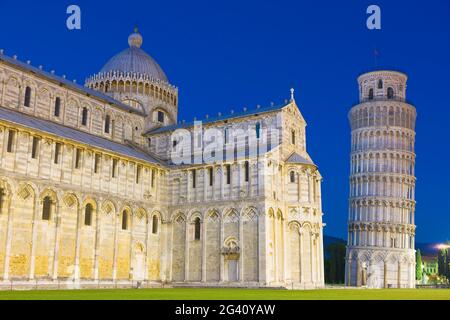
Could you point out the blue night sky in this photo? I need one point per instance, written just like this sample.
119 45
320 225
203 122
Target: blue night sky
235 54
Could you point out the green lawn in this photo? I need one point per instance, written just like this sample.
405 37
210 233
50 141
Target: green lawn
232 294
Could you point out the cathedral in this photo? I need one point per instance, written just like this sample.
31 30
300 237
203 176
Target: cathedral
95 192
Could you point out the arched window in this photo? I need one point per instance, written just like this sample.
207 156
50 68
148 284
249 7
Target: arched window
97 159
247 171
155 224
390 93
380 84
35 147
84 116
27 100
11 140
160 117
138 173
228 173
292 176
2 194
107 121
226 135
46 208
194 178
370 94
124 220
197 228
57 110
293 136
258 129
88 215
211 175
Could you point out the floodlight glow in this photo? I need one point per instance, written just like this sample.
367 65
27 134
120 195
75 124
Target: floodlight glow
442 246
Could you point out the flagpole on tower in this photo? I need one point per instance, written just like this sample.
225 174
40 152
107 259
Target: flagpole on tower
376 54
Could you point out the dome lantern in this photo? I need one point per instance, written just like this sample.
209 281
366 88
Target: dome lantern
135 39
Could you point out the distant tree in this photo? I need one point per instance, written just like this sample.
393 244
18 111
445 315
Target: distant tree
418 265
335 263
444 262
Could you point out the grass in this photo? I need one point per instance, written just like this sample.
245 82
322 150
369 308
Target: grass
228 294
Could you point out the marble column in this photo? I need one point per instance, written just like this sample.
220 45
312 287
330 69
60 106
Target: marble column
57 221
241 246
302 278
33 239
96 244
186 251
116 244
203 235
9 233
148 232
222 258
76 270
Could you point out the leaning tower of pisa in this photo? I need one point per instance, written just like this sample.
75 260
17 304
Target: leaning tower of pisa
380 247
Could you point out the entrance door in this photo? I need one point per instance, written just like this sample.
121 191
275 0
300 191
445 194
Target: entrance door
232 270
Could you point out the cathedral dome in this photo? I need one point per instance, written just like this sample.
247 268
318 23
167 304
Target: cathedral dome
135 60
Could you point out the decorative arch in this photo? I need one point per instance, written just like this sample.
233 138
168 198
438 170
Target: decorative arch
12 81
44 94
28 82
213 215
178 217
141 214
157 213
230 215
307 226
133 102
193 214
364 256
250 213
108 207
70 200
26 191
90 200
280 215
231 242
72 102
139 247
294 226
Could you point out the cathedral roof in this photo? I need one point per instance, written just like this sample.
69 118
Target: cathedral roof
65 82
296 158
73 134
135 60
220 117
